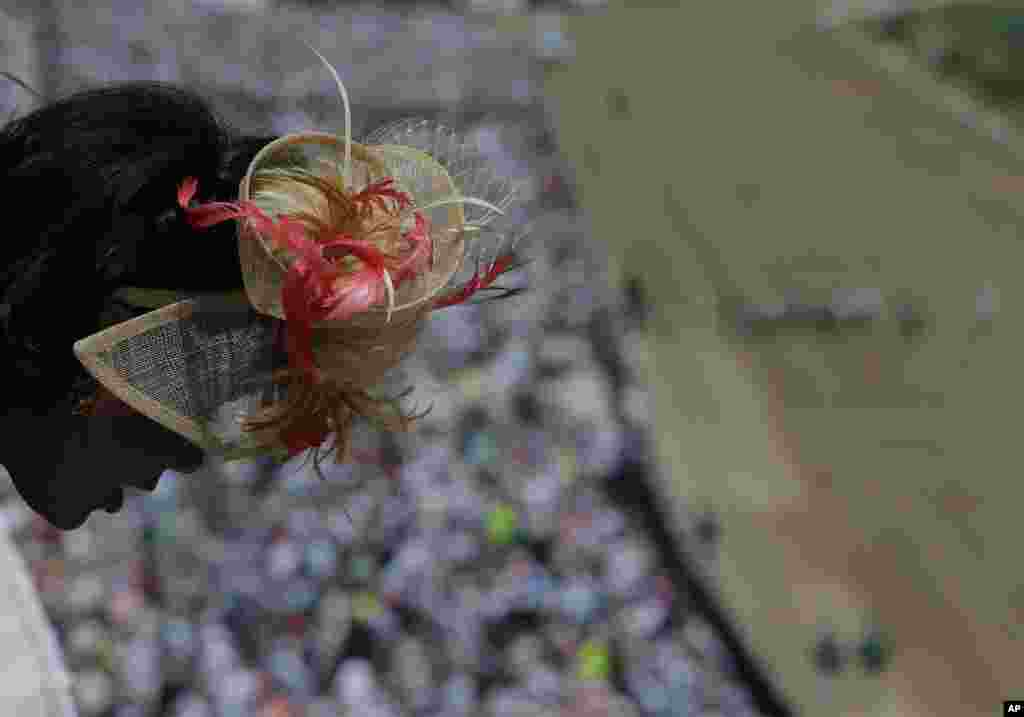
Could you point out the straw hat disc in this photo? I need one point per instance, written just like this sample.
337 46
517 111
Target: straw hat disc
361 349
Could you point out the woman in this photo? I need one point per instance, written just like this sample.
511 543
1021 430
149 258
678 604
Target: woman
132 186
94 180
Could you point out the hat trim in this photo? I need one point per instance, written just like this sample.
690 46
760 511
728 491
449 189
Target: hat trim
91 349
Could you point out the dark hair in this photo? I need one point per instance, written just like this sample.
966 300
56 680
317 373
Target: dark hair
90 182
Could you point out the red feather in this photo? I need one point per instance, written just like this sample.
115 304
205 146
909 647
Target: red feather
499 267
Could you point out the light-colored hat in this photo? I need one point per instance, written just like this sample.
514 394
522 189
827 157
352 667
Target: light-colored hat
345 248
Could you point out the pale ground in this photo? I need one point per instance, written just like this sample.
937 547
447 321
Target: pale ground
862 478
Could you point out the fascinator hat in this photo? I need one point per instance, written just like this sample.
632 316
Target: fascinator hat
345 248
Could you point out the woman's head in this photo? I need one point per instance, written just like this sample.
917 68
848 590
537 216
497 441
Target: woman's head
93 177
140 180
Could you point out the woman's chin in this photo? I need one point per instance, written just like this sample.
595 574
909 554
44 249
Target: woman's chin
68 520
72 517
115 502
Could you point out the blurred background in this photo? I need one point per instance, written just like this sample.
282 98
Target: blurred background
742 447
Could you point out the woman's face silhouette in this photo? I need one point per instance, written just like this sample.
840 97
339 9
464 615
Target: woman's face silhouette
66 466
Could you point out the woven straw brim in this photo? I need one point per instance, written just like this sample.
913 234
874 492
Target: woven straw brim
194 367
